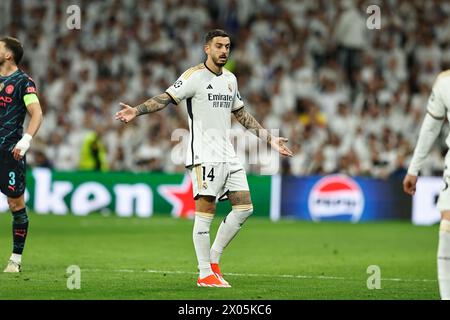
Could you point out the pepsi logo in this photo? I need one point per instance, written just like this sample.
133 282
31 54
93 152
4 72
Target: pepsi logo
9 89
337 197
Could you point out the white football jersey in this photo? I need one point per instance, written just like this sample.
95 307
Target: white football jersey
440 97
209 98
439 106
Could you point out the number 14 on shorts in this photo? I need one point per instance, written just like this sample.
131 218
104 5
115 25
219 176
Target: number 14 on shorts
210 174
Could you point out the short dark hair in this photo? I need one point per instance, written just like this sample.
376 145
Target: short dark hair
15 46
215 33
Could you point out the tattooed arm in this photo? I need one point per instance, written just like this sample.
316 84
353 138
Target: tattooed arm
154 104
250 123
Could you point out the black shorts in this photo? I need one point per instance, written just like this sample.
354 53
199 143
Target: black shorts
12 174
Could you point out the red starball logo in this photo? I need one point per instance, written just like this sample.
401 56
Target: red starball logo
31 90
9 89
180 197
336 196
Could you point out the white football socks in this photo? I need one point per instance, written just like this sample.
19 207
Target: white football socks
228 229
17 258
443 260
200 234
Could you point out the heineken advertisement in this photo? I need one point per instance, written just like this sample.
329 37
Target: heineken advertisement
124 194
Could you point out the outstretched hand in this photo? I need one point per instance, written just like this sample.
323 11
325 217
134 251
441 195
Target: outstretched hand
278 143
127 113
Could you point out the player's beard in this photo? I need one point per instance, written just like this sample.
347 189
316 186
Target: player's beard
219 64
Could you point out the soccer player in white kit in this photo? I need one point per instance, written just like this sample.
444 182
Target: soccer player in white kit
437 109
210 94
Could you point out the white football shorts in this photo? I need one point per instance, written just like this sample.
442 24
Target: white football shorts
217 178
443 203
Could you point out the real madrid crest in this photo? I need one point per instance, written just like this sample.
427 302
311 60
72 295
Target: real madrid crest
230 87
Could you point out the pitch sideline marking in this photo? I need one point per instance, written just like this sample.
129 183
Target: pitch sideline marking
261 275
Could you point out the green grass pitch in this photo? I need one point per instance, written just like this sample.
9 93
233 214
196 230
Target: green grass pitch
135 258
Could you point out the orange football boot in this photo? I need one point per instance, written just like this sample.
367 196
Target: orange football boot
212 281
215 268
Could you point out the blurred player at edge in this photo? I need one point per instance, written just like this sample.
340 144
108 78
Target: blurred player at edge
210 93
437 110
17 96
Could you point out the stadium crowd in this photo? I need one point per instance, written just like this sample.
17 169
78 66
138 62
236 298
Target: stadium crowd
349 98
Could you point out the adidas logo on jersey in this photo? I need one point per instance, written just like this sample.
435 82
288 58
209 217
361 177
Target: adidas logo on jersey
209 87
